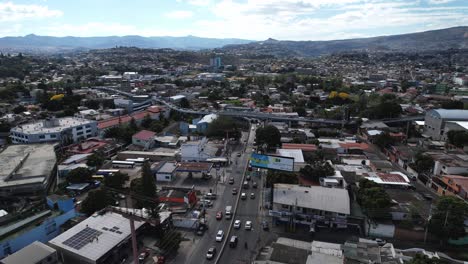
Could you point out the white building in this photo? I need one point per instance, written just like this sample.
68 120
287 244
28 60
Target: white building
97 239
436 119
309 205
166 172
35 252
197 151
65 129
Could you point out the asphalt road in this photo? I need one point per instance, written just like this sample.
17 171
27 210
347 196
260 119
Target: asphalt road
247 210
225 198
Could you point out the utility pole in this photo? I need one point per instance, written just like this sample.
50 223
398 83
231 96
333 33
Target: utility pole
427 224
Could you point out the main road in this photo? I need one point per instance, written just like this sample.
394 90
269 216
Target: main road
244 210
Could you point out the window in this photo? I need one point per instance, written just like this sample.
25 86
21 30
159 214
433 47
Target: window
285 206
88 126
42 136
53 136
79 133
79 128
168 177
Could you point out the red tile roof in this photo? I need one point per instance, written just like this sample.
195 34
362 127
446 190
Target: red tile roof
388 177
121 120
144 135
351 145
303 147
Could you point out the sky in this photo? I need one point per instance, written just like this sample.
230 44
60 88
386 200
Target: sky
246 19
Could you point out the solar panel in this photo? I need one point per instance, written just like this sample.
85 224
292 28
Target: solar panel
82 238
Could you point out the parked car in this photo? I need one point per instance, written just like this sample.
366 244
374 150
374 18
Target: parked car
237 224
239 154
201 230
427 196
208 203
243 196
380 241
143 255
219 236
265 225
210 196
219 215
211 253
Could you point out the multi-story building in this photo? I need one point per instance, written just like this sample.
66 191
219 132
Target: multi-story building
26 169
295 204
436 119
67 129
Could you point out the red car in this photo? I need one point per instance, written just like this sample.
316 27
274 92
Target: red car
219 215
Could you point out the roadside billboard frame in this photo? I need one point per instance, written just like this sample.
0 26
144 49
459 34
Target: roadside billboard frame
271 165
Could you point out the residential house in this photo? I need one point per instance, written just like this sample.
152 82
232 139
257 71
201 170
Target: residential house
144 139
451 185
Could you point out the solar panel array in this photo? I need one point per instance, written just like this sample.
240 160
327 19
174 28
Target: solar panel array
82 238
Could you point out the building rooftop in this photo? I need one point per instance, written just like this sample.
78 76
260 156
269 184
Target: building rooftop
168 167
95 236
391 178
208 118
451 114
315 197
59 125
291 153
303 147
194 166
26 164
32 253
144 135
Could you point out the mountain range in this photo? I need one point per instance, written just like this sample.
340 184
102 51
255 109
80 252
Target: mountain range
50 44
443 39
449 38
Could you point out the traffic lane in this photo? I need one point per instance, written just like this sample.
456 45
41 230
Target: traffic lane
247 211
224 199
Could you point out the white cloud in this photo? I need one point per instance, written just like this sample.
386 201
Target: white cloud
180 14
439 2
13 12
196 2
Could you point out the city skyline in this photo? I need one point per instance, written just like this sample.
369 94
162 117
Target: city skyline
251 19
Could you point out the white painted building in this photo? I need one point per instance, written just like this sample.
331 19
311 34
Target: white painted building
55 129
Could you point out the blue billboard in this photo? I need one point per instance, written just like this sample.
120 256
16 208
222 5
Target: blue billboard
272 162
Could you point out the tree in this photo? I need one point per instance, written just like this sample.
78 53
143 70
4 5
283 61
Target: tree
268 135
424 259
146 122
95 201
92 104
447 218
300 110
116 180
19 109
280 177
317 170
184 103
133 125
423 163
458 138
79 175
95 160
146 186
383 140
373 199
222 126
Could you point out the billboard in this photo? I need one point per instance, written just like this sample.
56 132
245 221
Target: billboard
272 162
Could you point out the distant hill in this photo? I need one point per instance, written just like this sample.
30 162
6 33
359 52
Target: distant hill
450 38
50 44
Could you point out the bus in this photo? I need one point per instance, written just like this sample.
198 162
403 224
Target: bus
122 164
137 161
98 177
106 172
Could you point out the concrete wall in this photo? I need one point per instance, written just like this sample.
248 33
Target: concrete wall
49 229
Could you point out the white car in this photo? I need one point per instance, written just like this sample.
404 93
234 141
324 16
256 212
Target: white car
243 196
237 224
248 225
219 236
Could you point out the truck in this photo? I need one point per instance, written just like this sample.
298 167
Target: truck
228 213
